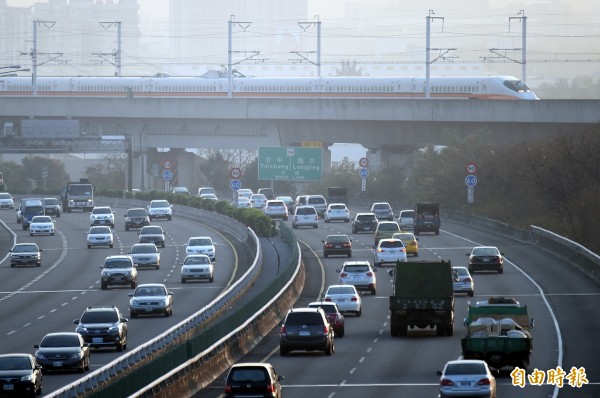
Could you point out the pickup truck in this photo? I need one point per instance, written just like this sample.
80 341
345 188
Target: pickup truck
498 332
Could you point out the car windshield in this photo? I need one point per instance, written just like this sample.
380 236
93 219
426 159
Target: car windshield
485 251
150 291
151 231
99 317
14 363
465 369
340 290
51 201
101 210
137 249
5 196
43 219
200 242
99 230
159 203
60 340
84 189
25 249
117 263
193 260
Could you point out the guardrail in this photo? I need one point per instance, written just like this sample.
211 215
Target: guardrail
144 364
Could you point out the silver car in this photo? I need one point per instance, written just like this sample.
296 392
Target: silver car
145 255
152 234
150 299
197 266
100 236
463 281
467 378
389 251
360 274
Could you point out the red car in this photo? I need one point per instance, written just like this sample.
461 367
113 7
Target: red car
334 316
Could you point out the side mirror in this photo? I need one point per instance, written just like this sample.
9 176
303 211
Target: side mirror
532 323
338 271
391 272
465 323
468 254
439 372
130 295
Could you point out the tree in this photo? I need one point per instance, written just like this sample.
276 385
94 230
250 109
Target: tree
349 69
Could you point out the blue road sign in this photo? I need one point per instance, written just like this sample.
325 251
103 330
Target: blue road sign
364 172
471 180
167 175
235 185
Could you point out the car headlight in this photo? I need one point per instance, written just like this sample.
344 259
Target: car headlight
81 329
39 356
77 355
27 378
114 328
163 302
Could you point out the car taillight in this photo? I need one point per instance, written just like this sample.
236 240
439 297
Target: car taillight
283 331
380 250
369 273
327 298
328 245
228 388
467 280
484 382
343 275
270 388
325 329
347 244
446 382
354 298
403 250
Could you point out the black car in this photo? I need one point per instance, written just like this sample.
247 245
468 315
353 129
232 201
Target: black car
337 245
20 375
486 258
306 329
253 379
136 218
152 234
52 207
364 222
63 351
103 327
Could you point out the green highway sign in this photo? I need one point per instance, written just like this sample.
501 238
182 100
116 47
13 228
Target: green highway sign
290 163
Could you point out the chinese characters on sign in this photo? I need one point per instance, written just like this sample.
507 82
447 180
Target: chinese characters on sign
291 164
575 378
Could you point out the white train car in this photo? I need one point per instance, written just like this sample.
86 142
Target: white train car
473 87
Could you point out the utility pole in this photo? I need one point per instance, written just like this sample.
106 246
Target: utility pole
306 25
523 19
34 64
244 26
117 54
428 48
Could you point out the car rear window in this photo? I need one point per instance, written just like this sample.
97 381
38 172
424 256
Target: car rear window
305 211
341 290
381 206
366 218
485 252
241 375
337 238
407 214
304 318
316 201
391 244
338 207
389 227
356 268
465 369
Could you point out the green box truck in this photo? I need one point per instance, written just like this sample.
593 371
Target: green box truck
498 332
423 297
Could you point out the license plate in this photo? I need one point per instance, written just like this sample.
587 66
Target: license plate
97 340
465 383
341 300
148 310
9 387
118 279
485 260
304 333
57 364
338 246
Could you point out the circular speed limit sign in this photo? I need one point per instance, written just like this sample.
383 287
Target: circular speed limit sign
235 172
471 168
363 162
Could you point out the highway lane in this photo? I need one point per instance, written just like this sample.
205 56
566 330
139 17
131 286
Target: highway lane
35 301
369 362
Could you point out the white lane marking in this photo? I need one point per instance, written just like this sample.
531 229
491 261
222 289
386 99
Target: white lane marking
352 371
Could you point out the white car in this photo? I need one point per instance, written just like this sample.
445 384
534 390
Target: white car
181 191
209 196
6 201
389 251
41 225
360 274
243 202
100 235
150 299
258 200
102 215
463 281
201 245
276 209
197 266
305 216
160 209
337 212
205 190
346 297
245 192
405 219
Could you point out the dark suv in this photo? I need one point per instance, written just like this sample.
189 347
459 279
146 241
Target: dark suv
306 329
103 327
364 222
136 218
253 379
118 270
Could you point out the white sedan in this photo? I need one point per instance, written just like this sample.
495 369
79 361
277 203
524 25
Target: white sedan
41 225
346 297
100 235
201 245
337 212
198 267
258 200
389 251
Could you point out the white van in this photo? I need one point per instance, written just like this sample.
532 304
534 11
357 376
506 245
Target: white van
318 202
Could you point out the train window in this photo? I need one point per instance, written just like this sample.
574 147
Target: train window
517 85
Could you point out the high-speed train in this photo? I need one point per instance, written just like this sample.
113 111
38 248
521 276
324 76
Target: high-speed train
474 87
